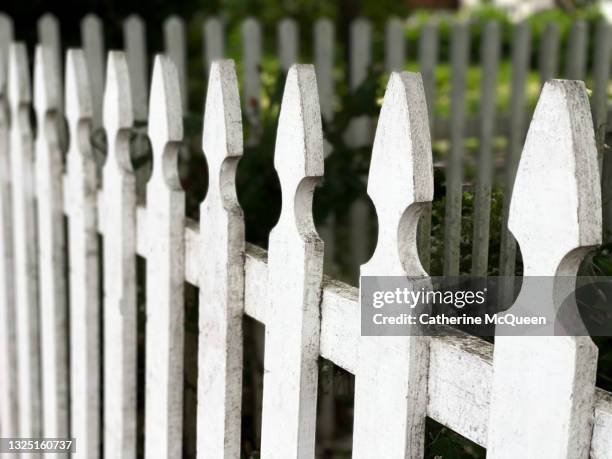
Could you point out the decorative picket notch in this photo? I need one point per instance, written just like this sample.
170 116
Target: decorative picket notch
462 382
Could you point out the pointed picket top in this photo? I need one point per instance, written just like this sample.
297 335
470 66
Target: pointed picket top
299 142
18 85
78 94
222 132
117 108
46 97
401 173
557 177
165 113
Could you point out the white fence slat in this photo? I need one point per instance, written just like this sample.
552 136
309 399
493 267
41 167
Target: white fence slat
324 35
520 66
214 41
6 37
25 244
391 375
165 269
288 43
395 45
135 44
295 264
428 58
359 135
251 59
49 35
490 48
548 57
83 260
221 276
543 387
52 248
175 46
119 211
92 38
460 46
8 347
576 54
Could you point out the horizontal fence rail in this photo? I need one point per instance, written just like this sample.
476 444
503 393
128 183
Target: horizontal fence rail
50 286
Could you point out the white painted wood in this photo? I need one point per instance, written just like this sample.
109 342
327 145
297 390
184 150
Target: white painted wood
214 41
428 58
83 260
576 54
251 80
222 274
391 374
165 269
49 35
359 134
395 45
543 387
8 346
119 214
490 48
460 46
294 277
459 393
52 248
6 37
288 43
521 40
175 46
92 38
25 244
324 43
135 44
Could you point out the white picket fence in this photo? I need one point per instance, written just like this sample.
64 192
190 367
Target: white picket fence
522 397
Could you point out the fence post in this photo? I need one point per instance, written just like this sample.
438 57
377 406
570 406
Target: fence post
165 268
176 49
221 275
288 43
92 37
25 244
520 66
543 386
324 65
295 272
359 135
120 259
52 248
135 44
395 45
251 56
84 261
8 339
428 58
490 47
549 53
214 42
576 57
391 374
49 36
460 46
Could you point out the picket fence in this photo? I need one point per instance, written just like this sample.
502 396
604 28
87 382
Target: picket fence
522 397
487 126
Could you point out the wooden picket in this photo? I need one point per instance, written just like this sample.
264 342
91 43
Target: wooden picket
119 210
24 244
52 247
8 351
517 398
214 43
